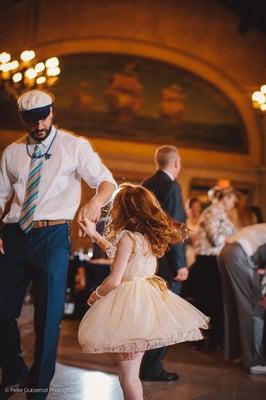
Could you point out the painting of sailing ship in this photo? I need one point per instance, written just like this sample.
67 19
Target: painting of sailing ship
172 104
125 95
132 98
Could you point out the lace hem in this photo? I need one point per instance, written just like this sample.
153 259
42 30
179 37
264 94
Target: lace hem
143 345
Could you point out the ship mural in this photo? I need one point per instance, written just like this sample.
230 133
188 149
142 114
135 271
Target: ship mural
125 95
82 99
172 104
132 98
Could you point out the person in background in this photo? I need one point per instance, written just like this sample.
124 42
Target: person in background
172 266
75 304
243 214
215 227
43 172
193 210
242 261
257 214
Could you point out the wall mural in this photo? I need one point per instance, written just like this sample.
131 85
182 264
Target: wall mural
140 99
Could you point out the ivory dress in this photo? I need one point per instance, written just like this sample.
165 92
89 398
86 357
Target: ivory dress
141 313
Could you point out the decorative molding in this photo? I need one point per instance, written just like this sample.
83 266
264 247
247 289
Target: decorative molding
203 69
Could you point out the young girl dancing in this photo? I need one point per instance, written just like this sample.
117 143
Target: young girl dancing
132 310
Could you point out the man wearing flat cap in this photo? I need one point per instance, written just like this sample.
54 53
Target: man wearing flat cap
42 172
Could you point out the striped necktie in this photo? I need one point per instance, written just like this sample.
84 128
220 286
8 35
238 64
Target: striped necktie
31 193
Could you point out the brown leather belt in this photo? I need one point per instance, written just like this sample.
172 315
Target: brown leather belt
44 223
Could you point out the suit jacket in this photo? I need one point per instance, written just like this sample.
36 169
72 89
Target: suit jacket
168 193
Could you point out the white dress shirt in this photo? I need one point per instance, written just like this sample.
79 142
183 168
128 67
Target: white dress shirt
250 238
71 159
169 174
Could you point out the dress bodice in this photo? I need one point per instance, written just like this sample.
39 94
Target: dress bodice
142 262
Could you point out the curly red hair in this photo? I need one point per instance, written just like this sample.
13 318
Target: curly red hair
136 209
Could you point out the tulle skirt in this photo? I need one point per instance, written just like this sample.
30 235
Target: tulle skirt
138 316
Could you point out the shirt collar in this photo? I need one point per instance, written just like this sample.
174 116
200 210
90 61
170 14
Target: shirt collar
169 174
45 143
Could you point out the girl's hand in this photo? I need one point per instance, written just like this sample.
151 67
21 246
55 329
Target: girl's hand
88 227
93 297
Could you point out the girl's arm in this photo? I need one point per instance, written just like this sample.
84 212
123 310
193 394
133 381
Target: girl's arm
123 252
89 228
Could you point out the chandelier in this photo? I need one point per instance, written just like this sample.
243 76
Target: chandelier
259 98
16 76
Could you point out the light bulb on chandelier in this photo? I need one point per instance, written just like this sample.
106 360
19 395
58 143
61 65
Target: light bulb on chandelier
27 73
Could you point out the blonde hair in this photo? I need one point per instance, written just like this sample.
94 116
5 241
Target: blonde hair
136 209
164 155
218 192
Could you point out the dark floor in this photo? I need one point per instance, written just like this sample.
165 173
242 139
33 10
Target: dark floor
203 376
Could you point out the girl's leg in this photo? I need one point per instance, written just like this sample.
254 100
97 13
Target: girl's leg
128 372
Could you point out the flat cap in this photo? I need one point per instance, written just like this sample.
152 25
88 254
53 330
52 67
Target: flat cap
34 105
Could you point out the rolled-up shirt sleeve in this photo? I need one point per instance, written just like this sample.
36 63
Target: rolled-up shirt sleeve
91 167
6 189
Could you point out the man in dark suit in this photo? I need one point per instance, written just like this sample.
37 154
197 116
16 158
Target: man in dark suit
172 266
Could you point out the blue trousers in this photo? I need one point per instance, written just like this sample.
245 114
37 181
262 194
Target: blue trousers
41 256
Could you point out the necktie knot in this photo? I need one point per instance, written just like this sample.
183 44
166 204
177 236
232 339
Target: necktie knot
37 151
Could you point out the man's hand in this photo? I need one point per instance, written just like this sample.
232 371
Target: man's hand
88 227
1 247
90 211
182 275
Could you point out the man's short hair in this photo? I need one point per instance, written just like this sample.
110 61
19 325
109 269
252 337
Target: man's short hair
164 155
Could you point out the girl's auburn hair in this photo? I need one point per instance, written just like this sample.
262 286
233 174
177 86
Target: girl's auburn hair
136 209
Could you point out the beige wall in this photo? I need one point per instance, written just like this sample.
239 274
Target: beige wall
198 35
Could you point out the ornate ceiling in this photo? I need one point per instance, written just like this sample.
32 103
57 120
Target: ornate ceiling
252 14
